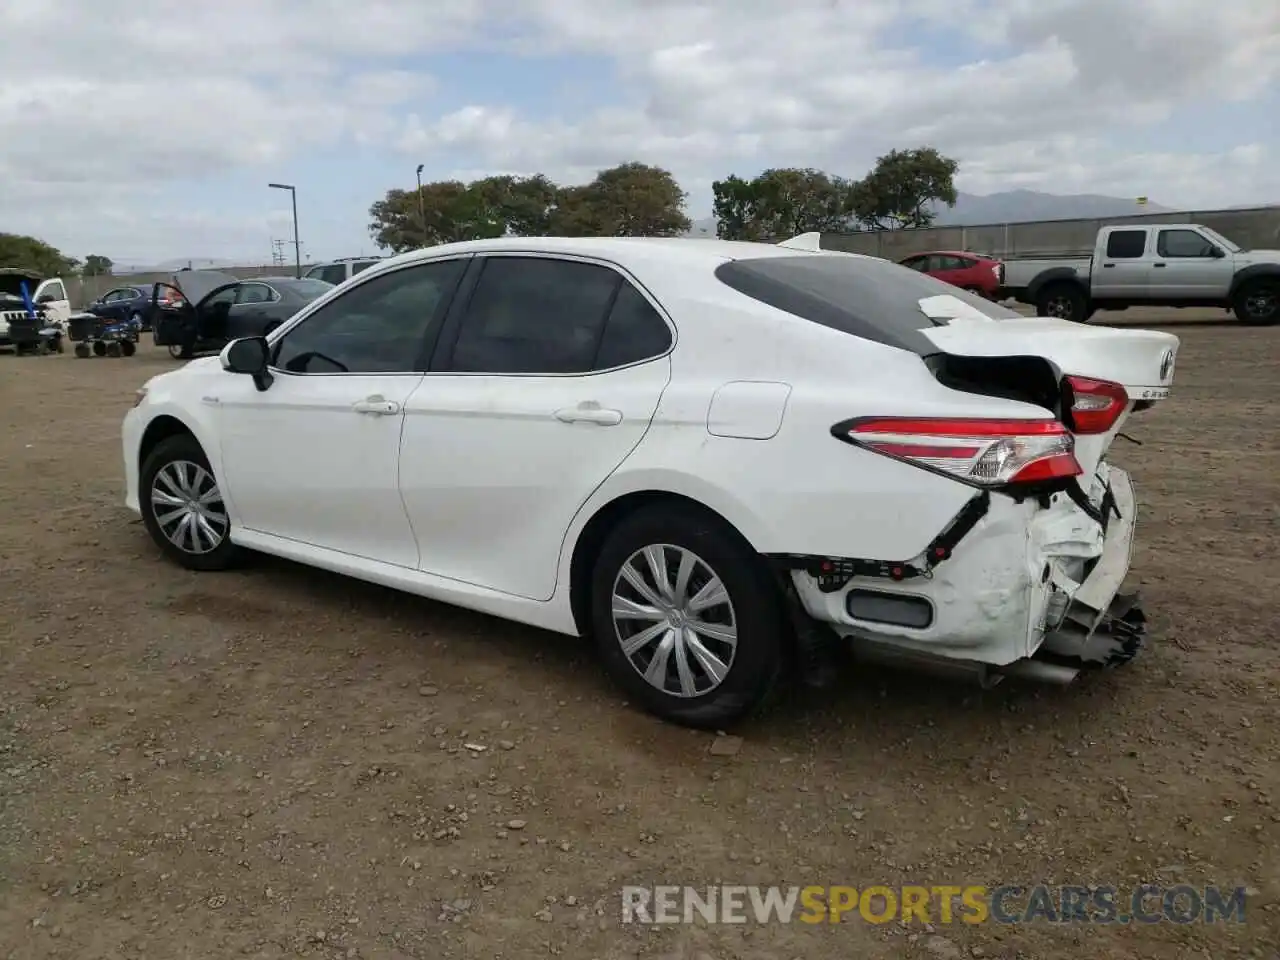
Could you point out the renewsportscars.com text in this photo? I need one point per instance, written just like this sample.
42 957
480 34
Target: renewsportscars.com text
942 904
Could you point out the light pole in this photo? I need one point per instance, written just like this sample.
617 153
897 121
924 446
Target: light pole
297 247
422 206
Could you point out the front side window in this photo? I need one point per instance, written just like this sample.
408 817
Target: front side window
1183 243
535 315
379 326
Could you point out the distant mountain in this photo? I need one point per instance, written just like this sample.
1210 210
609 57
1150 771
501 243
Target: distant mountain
1012 206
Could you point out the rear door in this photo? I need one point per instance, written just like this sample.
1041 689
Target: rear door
949 269
1123 272
544 381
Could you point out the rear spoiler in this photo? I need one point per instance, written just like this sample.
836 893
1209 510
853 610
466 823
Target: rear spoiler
805 241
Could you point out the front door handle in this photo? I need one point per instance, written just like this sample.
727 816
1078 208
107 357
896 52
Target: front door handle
1159 266
377 405
590 413
1107 266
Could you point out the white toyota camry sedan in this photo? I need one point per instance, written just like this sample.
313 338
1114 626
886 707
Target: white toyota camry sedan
721 461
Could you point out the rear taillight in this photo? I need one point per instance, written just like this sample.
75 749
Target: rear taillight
1094 406
987 453
999 270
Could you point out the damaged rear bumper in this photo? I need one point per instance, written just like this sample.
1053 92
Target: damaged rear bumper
1025 581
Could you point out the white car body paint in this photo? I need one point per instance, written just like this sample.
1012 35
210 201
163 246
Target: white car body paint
477 488
748 409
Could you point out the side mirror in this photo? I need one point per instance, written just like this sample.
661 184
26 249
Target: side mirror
1218 253
249 356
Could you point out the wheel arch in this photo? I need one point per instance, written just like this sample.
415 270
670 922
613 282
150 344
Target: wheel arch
591 539
1259 271
161 428
1054 275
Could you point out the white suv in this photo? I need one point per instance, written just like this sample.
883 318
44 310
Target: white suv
338 271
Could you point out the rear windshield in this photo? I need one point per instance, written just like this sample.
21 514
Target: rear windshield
864 296
306 287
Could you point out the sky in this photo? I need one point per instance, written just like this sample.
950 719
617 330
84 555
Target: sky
145 130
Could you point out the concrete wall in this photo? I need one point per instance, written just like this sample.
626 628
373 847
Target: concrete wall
1257 228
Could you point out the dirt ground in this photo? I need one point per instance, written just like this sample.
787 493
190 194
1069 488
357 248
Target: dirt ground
271 763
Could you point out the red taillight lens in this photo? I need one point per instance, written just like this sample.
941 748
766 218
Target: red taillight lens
1095 405
988 453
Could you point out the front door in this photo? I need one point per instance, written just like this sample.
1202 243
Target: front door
57 305
543 384
1186 268
315 458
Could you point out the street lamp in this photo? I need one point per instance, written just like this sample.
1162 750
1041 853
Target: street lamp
297 247
422 206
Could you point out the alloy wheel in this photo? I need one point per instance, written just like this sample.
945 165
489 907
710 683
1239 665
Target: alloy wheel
188 507
674 620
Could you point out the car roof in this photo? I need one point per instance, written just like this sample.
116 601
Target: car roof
967 254
674 250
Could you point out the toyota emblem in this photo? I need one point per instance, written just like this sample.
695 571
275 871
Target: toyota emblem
1166 365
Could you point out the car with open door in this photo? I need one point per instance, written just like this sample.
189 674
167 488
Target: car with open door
201 311
719 460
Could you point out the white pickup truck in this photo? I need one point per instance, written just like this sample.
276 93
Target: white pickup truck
50 295
1165 265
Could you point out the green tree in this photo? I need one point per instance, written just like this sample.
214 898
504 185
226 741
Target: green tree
629 200
449 211
734 203
780 203
904 189
29 253
96 265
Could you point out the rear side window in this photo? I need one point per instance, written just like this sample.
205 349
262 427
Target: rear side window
359 265
635 331
1126 244
535 315
863 296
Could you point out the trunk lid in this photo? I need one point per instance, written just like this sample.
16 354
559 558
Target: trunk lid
1141 361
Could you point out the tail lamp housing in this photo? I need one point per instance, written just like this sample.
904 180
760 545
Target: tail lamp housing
988 453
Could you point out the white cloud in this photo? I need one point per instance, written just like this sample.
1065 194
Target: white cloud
101 108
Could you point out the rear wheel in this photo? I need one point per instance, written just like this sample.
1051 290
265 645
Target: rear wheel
1065 301
180 351
99 348
114 350
182 506
687 618
1257 302
82 351
128 348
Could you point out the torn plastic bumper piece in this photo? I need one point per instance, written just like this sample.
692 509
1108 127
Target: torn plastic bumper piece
833 573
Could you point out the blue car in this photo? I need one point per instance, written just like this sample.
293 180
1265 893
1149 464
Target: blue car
130 305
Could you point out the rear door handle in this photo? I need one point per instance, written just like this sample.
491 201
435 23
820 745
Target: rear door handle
377 405
1107 266
590 413
1159 266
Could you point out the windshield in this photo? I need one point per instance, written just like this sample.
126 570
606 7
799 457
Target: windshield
306 287
1222 241
864 296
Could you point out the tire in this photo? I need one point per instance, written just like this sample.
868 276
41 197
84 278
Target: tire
128 348
754 608
114 349
82 351
172 459
1066 301
99 348
1257 302
180 351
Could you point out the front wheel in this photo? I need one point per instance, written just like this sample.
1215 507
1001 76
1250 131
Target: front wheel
687 617
183 508
128 348
1065 301
1257 303
180 351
